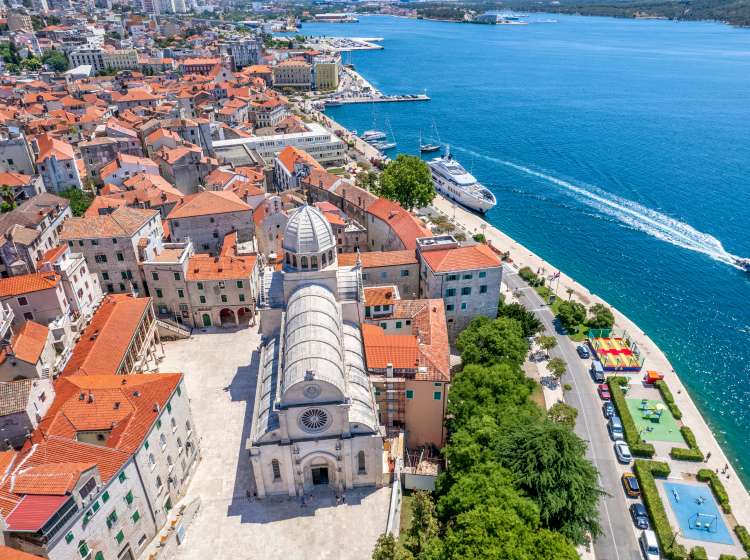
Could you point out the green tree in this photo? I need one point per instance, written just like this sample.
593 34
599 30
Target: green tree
479 238
571 314
32 64
601 317
388 548
408 181
487 341
530 324
8 199
424 525
79 200
563 414
367 180
546 343
550 465
56 60
557 367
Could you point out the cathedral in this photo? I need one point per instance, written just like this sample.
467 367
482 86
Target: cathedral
315 419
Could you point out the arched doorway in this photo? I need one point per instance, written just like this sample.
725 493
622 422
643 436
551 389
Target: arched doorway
227 317
319 472
206 320
244 315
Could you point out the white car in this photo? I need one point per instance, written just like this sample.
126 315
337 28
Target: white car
649 545
623 452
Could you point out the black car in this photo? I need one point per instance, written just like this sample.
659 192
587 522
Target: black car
639 515
608 409
583 352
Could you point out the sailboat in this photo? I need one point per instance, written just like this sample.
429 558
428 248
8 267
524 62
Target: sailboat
373 133
428 147
386 144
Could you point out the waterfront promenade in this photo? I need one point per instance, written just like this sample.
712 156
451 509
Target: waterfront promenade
655 358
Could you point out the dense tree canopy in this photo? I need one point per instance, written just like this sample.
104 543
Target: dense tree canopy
56 60
79 200
601 317
530 325
487 341
571 314
408 181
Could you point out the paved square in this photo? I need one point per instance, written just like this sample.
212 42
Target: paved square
665 429
220 374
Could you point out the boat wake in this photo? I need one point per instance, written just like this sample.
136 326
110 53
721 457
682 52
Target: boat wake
632 214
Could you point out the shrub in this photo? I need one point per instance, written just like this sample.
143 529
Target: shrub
479 238
638 447
527 274
693 453
698 553
727 557
719 492
645 471
744 536
668 398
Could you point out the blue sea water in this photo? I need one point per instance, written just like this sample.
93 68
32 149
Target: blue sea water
619 150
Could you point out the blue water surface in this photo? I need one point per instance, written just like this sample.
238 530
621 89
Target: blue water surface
695 502
618 150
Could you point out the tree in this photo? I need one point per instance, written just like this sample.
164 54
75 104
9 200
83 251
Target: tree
550 464
563 414
570 292
408 181
424 525
571 314
530 324
32 64
546 343
388 548
367 180
56 60
557 367
488 341
79 200
601 317
8 199
479 238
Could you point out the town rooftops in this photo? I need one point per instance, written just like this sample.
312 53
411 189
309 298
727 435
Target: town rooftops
28 283
377 259
49 147
122 222
32 212
472 257
14 397
105 342
30 341
381 295
404 224
12 179
290 156
227 267
207 203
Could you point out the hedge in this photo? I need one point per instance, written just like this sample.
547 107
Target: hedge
638 447
693 453
727 557
720 493
698 553
744 537
666 394
645 471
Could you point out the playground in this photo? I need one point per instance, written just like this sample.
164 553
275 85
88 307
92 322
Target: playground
616 354
654 421
697 513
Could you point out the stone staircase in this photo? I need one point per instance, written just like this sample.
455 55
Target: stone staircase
170 330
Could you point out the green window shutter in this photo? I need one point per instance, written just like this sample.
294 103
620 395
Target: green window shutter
203 299
242 297
179 391
111 519
83 549
105 497
409 394
129 497
122 478
200 285
437 395
158 423
95 506
99 556
169 407
69 537
239 284
136 516
119 537
145 444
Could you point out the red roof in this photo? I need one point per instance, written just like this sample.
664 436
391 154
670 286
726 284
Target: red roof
28 283
29 343
404 224
472 257
33 512
376 259
7 553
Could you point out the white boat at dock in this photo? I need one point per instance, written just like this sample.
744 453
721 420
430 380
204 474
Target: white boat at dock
455 183
369 135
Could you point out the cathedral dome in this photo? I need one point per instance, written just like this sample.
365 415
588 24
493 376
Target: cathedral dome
308 232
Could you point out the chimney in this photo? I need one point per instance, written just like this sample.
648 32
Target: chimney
91 396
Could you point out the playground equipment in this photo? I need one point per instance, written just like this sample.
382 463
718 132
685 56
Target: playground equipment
703 521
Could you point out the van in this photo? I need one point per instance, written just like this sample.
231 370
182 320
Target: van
649 545
597 372
614 426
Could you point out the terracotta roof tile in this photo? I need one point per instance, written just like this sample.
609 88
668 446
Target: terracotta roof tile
404 224
123 222
30 341
377 259
205 267
472 257
28 283
14 395
206 203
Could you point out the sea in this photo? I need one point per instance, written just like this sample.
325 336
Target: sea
618 150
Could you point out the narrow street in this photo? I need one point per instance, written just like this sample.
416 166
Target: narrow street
619 539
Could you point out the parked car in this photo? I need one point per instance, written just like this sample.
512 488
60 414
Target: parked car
608 409
597 372
649 545
583 352
603 391
639 515
614 427
622 451
630 484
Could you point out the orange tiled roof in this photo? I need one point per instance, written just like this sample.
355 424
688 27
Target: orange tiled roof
206 203
49 146
400 350
13 179
104 344
123 222
381 295
28 283
472 257
205 267
377 259
290 156
52 479
7 553
403 223
30 341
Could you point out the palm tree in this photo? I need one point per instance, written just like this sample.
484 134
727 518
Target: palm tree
570 293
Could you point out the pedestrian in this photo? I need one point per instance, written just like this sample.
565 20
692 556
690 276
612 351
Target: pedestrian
708 456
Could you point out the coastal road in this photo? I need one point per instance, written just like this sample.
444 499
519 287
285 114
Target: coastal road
618 541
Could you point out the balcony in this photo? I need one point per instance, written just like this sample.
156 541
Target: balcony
6 319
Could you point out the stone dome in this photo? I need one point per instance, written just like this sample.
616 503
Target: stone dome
308 232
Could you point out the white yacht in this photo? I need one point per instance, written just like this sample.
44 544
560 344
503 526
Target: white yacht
455 183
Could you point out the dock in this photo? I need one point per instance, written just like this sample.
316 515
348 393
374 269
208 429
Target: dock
377 99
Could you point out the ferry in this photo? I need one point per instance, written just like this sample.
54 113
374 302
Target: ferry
454 182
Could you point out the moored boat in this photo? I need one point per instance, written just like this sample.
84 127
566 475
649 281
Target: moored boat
455 183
